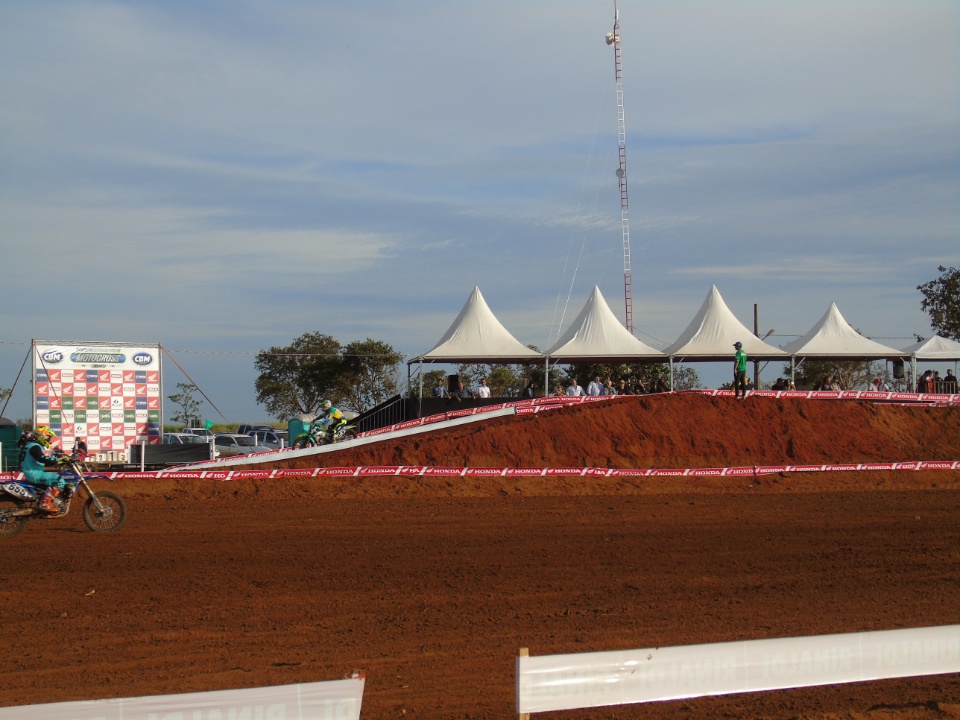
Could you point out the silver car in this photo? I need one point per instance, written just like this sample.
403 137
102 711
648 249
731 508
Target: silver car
233 444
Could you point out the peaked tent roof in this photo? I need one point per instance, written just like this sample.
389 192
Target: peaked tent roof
596 334
476 336
935 348
713 331
833 337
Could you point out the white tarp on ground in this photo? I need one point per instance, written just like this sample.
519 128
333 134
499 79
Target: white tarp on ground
833 337
597 336
935 348
333 700
476 336
712 333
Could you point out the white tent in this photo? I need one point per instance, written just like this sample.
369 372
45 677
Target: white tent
712 333
833 337
597 336
935 348
476 336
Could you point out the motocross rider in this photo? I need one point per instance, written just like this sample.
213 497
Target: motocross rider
34 465
332 417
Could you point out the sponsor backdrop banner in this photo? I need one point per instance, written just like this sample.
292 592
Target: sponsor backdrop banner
335 700
107 394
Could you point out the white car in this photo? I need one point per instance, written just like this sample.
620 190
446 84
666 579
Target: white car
270 439
182 439
233 444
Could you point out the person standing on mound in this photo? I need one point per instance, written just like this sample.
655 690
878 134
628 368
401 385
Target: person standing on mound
740 372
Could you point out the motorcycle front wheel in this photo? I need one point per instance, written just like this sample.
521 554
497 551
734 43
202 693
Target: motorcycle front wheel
108 516
11 524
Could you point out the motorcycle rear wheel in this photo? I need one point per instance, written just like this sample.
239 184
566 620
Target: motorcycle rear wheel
301 442
110 518
11 525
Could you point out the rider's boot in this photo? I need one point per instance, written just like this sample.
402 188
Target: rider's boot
47 503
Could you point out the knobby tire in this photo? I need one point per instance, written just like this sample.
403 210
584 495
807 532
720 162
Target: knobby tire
10 526
112 516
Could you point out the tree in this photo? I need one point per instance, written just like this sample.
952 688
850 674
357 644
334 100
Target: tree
684 378
370 374
295 379
941 300
189 406
851 374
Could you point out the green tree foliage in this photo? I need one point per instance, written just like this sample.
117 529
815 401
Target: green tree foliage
941 300
849 374
369 374
189 406
646 375
295 379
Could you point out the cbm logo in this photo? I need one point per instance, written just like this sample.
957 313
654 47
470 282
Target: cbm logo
143 358
52 356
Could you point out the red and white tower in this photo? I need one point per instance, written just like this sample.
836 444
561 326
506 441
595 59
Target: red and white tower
613 39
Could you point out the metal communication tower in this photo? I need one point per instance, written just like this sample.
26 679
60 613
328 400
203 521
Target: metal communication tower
614 39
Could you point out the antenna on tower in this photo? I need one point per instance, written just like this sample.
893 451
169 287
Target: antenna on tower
613 38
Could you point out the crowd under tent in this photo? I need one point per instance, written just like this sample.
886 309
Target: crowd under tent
596 335
833 338
476 336
934 349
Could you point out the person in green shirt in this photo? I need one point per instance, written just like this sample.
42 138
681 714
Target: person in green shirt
739 372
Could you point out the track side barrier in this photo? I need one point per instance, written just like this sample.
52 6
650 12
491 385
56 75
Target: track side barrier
754 471
336 700
584 680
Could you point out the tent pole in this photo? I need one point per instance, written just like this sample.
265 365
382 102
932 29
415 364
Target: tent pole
793 370
671 373
546 376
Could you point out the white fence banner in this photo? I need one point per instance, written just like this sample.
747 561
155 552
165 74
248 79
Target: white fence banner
568 682
335 700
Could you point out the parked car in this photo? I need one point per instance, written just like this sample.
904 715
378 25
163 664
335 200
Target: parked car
247 429
182 439
270 439
202 432
233 444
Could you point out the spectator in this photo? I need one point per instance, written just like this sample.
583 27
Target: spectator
460 394
440 390
483 391
559 391
623 388
739 372
879 385
609 389
639 388
950 382
937 382
661 385
595 387
780 384
530 391
575 389
925 383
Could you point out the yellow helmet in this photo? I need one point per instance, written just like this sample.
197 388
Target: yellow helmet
43 435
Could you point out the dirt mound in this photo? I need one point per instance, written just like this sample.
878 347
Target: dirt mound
691 430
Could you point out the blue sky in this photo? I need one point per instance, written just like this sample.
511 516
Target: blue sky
222 177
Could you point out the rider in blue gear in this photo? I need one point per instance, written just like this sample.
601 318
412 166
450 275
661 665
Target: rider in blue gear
34 469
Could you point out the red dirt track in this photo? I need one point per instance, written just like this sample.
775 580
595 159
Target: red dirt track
431 585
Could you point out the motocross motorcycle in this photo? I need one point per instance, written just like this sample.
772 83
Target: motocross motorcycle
316 434
20 500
